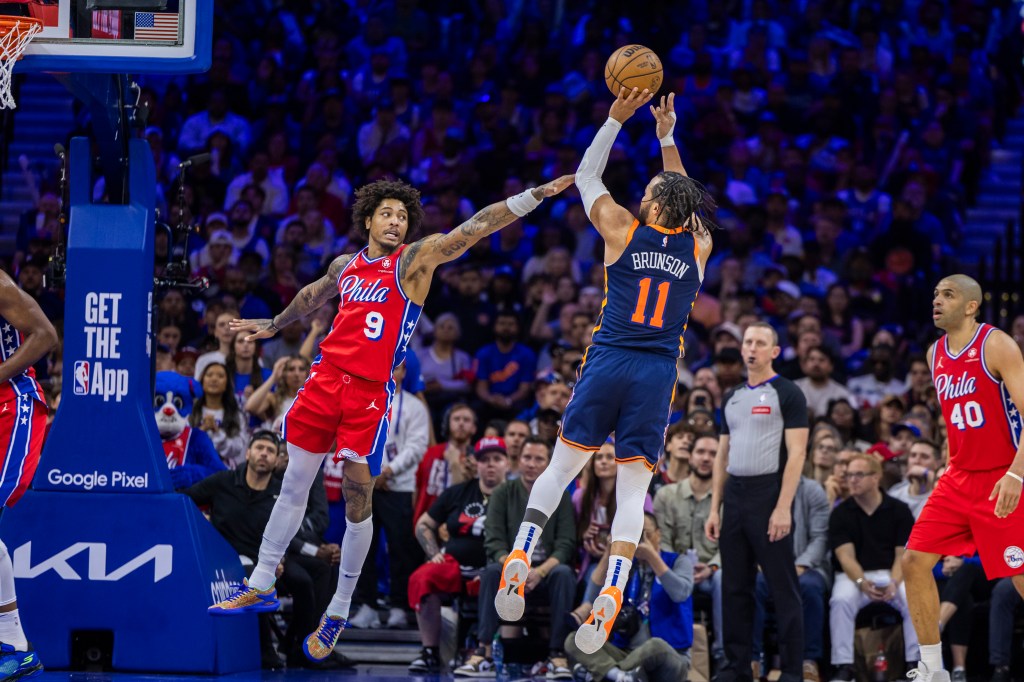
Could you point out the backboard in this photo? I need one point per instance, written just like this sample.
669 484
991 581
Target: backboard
117 36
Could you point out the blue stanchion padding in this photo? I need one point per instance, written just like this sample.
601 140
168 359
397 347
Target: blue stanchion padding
145 567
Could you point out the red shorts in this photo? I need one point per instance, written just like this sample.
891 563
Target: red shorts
334 406
959 519
443 578
22 430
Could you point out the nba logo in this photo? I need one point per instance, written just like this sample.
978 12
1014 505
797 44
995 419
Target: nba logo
81 377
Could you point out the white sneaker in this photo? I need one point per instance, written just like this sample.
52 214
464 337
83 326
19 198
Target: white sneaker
366 618
397 619
923 674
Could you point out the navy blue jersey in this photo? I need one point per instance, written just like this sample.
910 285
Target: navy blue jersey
650 291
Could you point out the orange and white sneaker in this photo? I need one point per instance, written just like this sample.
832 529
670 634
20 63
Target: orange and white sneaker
593 634
510 602
246 599
320 644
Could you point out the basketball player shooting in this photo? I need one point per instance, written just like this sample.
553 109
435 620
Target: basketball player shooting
654 268
979 377
347 397
27 336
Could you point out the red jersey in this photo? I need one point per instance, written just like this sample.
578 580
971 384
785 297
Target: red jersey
375 318
21 384
982 424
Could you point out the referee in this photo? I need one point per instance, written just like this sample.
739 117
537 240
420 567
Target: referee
765 423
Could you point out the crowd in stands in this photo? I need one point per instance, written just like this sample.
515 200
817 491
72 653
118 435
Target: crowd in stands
843 142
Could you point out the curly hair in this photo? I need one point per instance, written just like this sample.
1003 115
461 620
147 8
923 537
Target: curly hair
681 197
369 197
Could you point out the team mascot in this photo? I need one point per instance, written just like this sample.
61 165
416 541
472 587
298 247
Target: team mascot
191 456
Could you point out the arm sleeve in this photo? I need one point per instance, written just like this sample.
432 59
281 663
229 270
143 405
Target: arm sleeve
565 532
317 518
588 175
678 582
415 435
817 522
794 405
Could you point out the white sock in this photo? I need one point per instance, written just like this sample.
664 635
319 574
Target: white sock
285 519
957 668
11 632
618 571
354 548
931 656
528 538
613 674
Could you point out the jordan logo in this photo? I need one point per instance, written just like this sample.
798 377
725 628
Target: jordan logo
6 406
373 405
939 366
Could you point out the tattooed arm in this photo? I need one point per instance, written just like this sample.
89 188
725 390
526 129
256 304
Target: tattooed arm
420 258
309 298
427 537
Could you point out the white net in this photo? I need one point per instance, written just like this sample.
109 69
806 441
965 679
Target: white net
15 34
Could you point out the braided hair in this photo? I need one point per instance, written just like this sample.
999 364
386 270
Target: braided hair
681 198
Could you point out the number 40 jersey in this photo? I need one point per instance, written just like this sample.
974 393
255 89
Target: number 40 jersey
375 319
650 291
982 424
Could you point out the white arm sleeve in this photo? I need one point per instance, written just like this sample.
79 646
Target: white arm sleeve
588 175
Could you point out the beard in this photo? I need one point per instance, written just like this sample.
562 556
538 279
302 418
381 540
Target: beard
702 476
644 214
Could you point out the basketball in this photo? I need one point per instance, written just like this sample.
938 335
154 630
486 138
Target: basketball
633 66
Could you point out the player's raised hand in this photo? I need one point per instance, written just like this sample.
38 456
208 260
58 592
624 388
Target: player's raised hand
1006 493
262 329
665 116
550 189
626 104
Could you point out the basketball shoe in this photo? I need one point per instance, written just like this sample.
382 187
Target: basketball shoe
246 600
510 602
18 665
320 643
593 634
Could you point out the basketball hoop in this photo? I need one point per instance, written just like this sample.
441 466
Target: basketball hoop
15 34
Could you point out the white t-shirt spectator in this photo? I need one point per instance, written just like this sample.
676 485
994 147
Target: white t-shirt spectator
819 397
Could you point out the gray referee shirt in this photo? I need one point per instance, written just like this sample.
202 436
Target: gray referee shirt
755 418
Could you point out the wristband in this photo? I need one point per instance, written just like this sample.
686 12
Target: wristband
667 141
1013 475
522 203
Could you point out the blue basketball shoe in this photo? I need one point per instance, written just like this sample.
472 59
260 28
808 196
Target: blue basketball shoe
246 600
17 665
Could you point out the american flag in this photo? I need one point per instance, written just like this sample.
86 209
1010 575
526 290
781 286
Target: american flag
156 26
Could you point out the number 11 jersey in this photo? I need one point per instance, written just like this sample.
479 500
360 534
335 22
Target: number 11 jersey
650 291
982 424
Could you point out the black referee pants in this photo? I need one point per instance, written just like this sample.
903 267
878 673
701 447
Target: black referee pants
748 504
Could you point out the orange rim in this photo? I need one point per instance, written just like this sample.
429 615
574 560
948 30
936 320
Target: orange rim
23 28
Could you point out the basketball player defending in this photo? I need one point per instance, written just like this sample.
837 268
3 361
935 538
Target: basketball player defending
979 377
654 265
346 399
25 337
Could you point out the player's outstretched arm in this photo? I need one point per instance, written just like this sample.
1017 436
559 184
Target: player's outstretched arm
665 125
611 220
309 298
1003 357
420 258
25 315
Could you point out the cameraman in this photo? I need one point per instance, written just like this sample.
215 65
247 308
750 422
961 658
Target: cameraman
654 630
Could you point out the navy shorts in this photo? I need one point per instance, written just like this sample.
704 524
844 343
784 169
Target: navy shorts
625 391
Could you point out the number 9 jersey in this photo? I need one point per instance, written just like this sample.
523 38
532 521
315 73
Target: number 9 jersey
375 319
650 291
983 425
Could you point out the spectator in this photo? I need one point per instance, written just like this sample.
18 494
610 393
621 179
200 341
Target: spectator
225 339
462 510
679 439
447 370
653 639
923 461
890 411
218 254
682 510
880 380
273 397
446 463
842 416
843 329
817 384
867 535
272 184
551 578
1005 602
287 343
408 437
236 284
198 128
516 433
216 412
504 370
30 279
